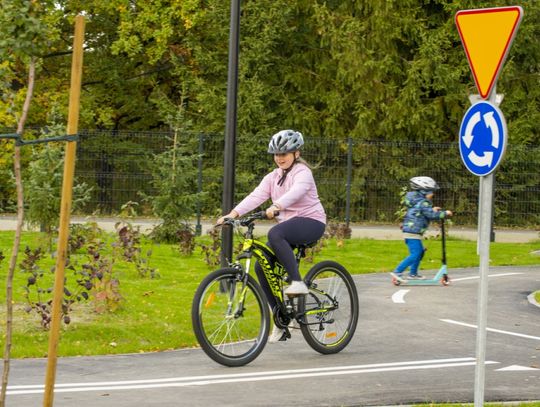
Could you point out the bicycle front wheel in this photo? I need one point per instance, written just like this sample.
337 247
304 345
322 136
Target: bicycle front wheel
231 320
330 310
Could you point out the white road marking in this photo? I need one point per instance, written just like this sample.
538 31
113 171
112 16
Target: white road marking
516 368
451 321
398 296
247 377
489 275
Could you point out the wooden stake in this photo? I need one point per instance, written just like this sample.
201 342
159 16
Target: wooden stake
65 209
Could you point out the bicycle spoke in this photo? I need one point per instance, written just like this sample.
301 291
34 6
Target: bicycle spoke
229 320
334 295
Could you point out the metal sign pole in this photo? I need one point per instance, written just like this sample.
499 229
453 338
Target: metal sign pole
484 242
484 246
476 29
480 211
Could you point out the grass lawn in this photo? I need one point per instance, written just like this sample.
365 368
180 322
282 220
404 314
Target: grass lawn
155 313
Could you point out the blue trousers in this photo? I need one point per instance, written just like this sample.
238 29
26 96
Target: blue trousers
416 252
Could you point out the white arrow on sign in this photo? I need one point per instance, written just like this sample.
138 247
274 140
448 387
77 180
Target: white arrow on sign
487 158
481 160
492 124
468 136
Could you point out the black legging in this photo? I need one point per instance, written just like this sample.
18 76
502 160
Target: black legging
295 231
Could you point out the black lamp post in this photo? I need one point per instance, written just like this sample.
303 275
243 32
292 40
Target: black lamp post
229 160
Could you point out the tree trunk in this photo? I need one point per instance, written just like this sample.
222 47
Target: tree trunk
18 232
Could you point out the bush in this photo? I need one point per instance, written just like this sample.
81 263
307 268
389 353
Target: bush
43 189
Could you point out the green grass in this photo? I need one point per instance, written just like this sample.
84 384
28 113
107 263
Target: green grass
155 313
367 255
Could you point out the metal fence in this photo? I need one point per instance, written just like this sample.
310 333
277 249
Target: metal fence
358 181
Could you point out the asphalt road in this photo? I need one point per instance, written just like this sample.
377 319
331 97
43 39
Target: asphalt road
412 344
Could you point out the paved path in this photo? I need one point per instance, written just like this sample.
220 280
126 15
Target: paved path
410 347
379 232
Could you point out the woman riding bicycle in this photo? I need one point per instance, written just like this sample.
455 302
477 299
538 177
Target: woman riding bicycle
295 205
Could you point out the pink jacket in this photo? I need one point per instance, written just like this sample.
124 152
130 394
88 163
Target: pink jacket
296 197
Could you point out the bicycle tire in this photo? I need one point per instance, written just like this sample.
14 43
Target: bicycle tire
228 337
329 331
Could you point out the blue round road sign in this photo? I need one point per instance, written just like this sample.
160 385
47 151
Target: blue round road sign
482 138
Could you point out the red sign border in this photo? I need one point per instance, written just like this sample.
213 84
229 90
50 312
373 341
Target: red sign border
506 48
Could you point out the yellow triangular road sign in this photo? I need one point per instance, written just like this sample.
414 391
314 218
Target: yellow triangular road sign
486 35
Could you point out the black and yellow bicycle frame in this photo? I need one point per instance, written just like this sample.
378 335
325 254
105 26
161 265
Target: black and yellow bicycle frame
273 272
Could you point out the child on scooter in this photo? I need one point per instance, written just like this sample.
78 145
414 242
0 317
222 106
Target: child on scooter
420 212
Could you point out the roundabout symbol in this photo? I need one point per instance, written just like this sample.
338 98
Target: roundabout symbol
482 138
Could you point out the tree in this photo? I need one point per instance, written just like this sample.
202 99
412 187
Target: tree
18 232
174 179
388 71
23 32
368 70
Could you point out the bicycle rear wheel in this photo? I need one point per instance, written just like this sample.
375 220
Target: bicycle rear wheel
231 321
330 309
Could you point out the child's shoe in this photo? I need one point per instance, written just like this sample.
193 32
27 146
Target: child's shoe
297 288
396 275
415 277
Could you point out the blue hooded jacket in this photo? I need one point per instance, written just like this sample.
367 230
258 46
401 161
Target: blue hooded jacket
419 213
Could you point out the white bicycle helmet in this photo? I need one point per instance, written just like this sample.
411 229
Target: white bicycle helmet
423 183
285 141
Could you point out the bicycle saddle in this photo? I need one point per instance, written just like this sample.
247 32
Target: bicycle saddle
304 245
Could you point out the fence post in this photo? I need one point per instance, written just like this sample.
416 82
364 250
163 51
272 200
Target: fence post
349 181
198 227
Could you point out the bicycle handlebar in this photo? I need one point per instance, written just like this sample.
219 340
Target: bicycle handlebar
246 221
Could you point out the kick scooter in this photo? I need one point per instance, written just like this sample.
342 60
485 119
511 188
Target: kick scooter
440 278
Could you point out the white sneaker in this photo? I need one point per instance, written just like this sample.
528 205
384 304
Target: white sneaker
297 288
277 335
293 325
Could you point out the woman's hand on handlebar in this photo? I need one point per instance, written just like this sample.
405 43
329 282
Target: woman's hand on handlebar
272 211
231 215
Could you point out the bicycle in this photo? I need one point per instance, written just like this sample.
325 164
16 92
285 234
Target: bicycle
231 316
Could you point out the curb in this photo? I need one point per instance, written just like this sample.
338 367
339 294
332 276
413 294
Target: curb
532 300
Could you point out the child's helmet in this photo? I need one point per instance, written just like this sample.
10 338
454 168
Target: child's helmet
285 141
423 184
